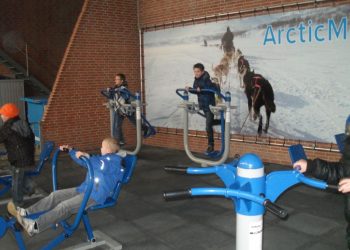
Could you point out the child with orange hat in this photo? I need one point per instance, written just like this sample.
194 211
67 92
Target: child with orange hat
19 143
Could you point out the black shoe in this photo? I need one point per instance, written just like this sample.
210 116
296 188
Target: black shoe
210 149
216 122
145 131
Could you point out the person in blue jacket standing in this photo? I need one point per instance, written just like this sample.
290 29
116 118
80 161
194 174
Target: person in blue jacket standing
205 99
61 204
123 96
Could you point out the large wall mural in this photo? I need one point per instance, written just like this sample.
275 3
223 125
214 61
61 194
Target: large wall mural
297 63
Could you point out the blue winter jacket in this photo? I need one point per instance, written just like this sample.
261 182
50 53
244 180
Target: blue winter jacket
123 91
205 98
106 173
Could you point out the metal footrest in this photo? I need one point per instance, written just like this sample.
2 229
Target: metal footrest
102 241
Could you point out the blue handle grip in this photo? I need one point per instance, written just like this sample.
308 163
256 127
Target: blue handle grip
184 97
228 193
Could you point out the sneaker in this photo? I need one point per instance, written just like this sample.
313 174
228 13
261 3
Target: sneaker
145 131
15 211
121 143
210 149
28 225
216 122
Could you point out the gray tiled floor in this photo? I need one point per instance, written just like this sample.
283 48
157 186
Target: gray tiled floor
142 220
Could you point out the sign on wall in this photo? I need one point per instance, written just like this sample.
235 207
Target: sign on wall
302 55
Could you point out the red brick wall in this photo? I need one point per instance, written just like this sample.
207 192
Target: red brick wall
104 41
45 26
160 12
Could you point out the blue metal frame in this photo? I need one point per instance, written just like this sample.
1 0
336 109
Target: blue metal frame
185 97
110 94
6 180
250 195
129 163
194 91
340 139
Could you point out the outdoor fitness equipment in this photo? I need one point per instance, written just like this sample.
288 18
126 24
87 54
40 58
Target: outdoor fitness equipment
6 180
129 163
129 109
251 191
193 108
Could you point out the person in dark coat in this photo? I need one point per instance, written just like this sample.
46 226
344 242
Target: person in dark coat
19 143
227 41
124 96
205 99
333 173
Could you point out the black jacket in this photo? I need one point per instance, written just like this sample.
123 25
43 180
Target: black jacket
19 142
332 172
205 98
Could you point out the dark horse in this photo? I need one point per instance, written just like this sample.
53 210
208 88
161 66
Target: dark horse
259 93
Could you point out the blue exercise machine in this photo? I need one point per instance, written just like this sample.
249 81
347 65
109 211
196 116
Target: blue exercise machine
6 180
128 109
223 109
129 163
252 192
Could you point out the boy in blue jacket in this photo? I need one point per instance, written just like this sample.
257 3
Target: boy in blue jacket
61 204
205 99
123 96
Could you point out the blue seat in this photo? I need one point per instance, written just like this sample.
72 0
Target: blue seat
296 152
340 139
6 180
128 163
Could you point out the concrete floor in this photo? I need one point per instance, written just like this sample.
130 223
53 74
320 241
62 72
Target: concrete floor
143 220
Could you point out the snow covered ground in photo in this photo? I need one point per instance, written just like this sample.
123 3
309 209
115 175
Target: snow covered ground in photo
310 80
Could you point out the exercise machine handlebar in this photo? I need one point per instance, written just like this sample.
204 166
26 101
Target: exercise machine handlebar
191 170
227 193
110 91
179 170
88 189
194 91
275 209
314 182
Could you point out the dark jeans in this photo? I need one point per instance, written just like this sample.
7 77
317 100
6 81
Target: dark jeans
118 125
20 185
210 122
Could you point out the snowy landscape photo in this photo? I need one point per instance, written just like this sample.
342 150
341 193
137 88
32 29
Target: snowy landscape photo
303 55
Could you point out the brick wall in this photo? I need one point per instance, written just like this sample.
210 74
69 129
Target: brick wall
4 71
105 41
163 13
45 26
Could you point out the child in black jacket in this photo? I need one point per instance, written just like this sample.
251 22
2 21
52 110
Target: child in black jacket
19 143
333 173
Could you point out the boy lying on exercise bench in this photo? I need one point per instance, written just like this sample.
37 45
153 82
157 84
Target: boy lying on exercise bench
61 204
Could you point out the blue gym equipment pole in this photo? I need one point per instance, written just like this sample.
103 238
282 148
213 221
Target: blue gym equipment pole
191 107
251 191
